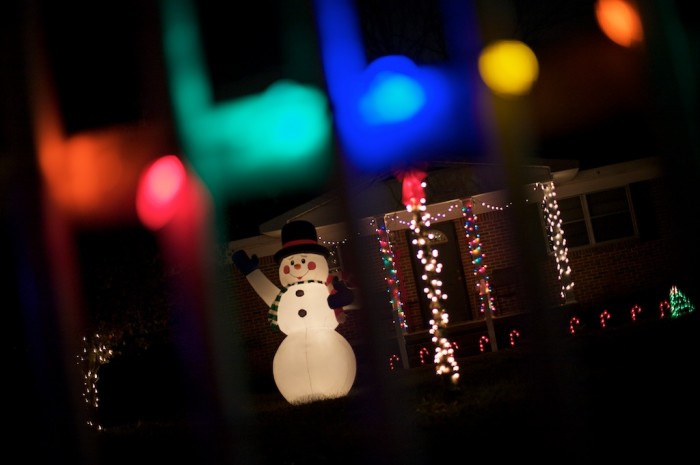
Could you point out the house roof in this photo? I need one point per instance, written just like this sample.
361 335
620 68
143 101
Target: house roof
379 197
376 195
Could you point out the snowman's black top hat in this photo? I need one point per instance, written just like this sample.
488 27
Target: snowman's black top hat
299 236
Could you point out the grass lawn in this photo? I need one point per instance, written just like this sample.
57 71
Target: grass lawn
624 393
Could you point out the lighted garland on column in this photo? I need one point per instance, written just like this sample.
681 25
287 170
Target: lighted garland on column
556 238
414 199
474 240
391 277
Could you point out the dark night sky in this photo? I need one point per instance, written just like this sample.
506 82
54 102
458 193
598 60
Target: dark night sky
95 60
592 103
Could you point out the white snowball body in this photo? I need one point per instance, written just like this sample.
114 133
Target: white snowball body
313 365
314 361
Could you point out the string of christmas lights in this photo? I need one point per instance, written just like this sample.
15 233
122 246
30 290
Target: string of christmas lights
439 212
496 207
97 351
471 229
556 238
420 224
391 277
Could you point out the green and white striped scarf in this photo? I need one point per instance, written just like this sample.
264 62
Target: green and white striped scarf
272 313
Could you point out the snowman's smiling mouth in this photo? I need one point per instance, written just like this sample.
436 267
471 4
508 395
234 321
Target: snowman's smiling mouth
299 278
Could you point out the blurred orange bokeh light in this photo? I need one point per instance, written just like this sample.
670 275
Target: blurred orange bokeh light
92 176
620 21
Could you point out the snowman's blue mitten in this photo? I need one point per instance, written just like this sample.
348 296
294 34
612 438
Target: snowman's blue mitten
245 264
342 296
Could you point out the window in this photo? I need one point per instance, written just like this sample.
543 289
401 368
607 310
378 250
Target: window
598 217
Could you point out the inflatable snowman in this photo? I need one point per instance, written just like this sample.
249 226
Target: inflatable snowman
314 361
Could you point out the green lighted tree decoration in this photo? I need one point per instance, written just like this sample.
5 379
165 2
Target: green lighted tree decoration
680 304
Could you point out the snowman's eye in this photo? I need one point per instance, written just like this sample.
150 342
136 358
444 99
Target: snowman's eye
303 260
292 263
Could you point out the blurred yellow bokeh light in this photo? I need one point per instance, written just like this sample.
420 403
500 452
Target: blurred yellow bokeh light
508 67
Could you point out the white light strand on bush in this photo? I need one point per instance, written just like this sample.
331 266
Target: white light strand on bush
391 277
97 351
556 238
444 352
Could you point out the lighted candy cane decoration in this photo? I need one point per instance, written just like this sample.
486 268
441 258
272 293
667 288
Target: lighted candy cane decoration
392 359
422 353
573 324
513 334
482 341
635 311
605 315
663 306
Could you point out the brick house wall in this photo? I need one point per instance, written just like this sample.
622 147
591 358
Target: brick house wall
612 277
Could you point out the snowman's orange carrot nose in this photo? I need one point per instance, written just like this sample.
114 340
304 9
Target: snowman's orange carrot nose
297 266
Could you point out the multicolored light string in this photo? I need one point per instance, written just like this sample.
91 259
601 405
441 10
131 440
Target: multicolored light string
391 277
474 239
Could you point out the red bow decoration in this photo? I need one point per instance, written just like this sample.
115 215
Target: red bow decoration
411 185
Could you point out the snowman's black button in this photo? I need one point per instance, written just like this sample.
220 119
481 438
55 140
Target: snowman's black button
300 293
302 313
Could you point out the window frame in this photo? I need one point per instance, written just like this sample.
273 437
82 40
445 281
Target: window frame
587 218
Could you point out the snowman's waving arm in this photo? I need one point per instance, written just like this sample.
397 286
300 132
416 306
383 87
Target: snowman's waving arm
265 288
